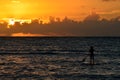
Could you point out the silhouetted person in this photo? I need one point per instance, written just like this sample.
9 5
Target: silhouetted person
91 50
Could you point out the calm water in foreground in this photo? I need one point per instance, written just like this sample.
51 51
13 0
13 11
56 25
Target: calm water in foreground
59 58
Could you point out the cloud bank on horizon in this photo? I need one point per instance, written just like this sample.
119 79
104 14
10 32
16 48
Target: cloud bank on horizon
92 25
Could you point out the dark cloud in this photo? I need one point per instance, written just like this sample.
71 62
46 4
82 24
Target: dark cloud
109 0
92 17
91 26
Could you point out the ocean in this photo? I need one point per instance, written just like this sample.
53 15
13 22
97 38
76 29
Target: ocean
59 58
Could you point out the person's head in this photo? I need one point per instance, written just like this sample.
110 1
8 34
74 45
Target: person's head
91 47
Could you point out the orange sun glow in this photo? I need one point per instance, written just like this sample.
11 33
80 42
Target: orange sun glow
11 22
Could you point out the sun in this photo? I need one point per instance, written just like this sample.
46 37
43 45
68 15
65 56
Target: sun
11 22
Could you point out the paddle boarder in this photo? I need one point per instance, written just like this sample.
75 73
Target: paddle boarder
91 51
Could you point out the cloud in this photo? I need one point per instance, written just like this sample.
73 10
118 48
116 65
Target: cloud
110 12
3 35
25 34
90 26
37 35
109 0
92 17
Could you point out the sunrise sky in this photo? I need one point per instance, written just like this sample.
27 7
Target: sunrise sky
76 9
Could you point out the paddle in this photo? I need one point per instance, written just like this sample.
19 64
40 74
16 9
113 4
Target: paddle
83 60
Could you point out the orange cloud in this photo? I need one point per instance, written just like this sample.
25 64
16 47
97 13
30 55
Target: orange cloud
37 35
110 12
3 35
92 25
109 0
26 34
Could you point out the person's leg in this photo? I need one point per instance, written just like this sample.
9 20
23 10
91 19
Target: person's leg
91 60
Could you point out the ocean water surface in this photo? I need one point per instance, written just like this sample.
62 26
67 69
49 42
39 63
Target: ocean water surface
59 58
